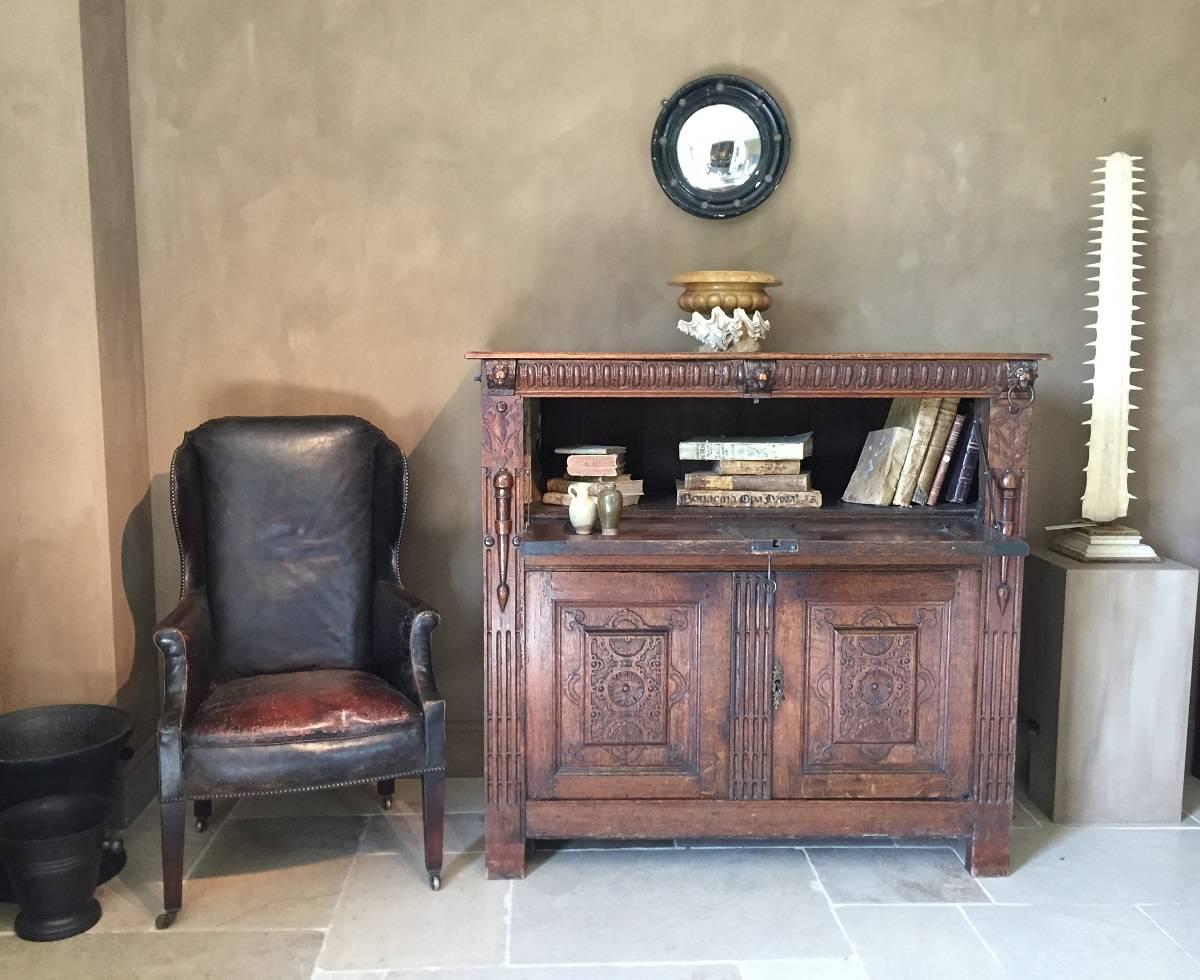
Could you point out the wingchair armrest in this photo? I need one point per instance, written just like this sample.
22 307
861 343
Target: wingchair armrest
403 652
184 639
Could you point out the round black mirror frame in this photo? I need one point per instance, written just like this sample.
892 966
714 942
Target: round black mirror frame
758 104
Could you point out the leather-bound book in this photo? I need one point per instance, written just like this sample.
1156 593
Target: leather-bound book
961 477
937 446
939 479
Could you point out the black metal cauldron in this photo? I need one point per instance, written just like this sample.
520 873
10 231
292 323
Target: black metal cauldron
52 847
62 749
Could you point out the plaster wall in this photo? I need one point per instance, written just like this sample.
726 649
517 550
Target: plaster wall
336 199
56 611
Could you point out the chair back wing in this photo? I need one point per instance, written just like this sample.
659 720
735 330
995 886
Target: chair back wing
294 515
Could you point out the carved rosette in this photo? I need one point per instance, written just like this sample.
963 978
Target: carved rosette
624 687
873 689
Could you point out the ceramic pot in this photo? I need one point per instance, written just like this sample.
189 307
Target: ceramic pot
51 849
608 508
582 509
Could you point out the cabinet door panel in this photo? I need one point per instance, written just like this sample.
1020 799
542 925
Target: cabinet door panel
628 684
881 689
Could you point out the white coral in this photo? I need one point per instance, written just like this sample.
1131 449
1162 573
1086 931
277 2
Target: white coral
719 331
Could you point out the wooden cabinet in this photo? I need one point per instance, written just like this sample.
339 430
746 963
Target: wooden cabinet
882 684
842 671
633 702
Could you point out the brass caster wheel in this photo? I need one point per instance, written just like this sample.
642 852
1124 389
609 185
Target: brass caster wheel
435 882
386 802
201 824
165 919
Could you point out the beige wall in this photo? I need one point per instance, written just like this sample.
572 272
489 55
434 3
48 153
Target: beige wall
56 616
76 584
336 199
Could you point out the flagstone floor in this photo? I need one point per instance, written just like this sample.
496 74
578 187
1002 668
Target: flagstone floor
327 886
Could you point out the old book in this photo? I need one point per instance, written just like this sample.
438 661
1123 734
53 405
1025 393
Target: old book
746 498
922 432
757 467
707 480
960 478
939 477
588 450
879 465
937 445
1111 542
748 447
605 464
625 484
564 499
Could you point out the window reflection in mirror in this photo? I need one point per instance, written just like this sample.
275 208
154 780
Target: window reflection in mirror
719 148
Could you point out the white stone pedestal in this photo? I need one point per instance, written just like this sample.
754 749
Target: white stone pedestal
1106 658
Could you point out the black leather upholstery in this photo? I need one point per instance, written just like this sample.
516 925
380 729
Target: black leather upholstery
294 659
288 510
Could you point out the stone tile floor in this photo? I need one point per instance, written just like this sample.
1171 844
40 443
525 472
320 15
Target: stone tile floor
327 886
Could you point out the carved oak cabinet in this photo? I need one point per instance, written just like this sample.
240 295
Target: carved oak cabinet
843 671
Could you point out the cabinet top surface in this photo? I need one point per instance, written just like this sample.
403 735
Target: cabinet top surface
481 355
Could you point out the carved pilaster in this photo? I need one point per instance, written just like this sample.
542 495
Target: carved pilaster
504 737
753 660
1006 435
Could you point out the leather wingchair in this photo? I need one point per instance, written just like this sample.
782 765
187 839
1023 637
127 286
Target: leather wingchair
294 660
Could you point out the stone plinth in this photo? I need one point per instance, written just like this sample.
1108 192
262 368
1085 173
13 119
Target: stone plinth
1106 669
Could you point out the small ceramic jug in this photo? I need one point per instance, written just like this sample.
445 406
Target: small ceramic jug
583 507
608 506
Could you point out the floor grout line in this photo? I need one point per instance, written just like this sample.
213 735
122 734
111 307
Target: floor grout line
1141 908
508 922
832 908
984 888
337 906
1028 811
979 935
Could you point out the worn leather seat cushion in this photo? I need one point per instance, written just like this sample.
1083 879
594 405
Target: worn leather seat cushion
311 705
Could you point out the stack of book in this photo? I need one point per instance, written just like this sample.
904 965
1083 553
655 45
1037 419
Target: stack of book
761 472
593 464
925 452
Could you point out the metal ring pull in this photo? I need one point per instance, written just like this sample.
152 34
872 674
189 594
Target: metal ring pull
1015 407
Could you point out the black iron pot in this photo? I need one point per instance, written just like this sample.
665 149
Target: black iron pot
51 848
59 749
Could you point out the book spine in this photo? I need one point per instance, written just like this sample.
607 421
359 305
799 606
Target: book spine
922 431
564 499
712 449
746 498
939 478
962 476
704 480
578 469
937 445
757 467
559 484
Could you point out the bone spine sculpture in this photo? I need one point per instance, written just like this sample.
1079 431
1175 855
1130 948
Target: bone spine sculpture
1106 495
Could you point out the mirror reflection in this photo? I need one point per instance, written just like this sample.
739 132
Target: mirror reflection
719 148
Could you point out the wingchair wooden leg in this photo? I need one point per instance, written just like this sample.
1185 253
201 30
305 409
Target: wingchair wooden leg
173 816
387 790
433 807
202 810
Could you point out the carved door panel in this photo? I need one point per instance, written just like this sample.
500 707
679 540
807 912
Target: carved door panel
878 683
627 684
